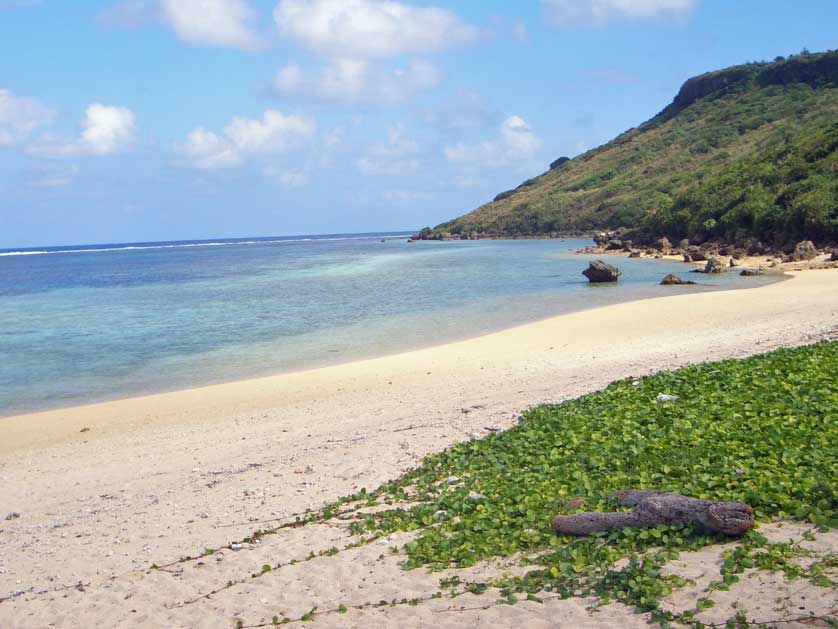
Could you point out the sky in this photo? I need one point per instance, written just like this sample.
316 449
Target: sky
143 120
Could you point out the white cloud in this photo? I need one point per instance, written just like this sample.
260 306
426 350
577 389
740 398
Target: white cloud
210 22
517 142
246 137
396 156
20 116
363 29
354 36
566 13
348 80
214 22
398 144
105 130
207 150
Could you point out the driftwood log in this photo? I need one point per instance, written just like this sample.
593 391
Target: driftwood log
653 508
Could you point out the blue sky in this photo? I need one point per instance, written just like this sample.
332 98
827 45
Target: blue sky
131 120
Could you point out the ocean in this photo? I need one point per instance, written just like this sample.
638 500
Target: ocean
94 323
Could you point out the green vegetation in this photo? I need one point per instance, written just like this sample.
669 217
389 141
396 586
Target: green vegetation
761 430
746 152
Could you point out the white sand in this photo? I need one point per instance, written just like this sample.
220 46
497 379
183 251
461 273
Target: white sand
158 477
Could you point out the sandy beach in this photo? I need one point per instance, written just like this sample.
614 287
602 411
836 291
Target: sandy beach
105 491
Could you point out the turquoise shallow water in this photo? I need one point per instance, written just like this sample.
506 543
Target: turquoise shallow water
88 324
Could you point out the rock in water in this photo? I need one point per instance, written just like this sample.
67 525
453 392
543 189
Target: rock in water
674 280
804 250
599 272
714 265
750 272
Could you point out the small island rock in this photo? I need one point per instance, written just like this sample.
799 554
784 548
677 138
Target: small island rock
599 272
674 280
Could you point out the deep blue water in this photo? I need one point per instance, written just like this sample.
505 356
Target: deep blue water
81 324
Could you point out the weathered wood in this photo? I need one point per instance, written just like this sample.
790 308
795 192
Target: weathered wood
653 508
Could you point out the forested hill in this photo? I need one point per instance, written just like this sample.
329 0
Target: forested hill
746 152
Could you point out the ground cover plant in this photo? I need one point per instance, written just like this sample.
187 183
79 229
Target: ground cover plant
761 430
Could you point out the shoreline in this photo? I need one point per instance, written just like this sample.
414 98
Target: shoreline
776 275
144 403
156 478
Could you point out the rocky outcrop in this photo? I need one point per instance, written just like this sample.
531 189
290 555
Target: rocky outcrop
662 244
706 84
803 251
559 162
598 272
674 280
504 195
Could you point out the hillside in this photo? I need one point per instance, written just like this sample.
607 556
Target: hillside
746 152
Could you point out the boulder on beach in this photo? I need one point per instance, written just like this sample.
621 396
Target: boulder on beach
751 272
696 253
634 254
674 280
598 272
834 256
662 244
804 250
